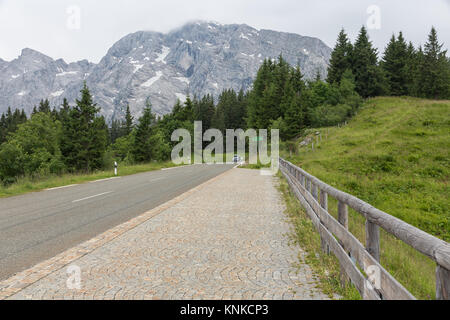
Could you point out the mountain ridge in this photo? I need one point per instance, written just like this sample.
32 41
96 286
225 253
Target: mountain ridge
197 58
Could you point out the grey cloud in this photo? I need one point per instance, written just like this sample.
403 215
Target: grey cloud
41 25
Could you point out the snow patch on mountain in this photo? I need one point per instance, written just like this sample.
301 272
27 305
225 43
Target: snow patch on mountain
165 52
151 81
57 93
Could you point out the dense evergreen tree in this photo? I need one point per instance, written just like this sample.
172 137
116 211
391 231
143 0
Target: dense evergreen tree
294 118
265 100
84 135
142 148
341 58
44 106
116 130
10 121
395 65
204 110
128 121
369 76
412 70
435 71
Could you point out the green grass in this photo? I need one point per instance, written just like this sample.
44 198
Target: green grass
27 184
325 267
394 154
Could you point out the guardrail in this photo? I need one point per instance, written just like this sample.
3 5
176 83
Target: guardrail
336 238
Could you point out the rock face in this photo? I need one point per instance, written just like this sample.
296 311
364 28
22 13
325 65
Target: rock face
196 59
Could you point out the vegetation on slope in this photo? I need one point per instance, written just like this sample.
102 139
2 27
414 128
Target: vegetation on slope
394 154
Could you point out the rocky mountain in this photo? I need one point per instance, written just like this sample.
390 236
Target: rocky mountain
199 58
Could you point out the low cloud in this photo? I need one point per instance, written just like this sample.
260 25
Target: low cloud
42 25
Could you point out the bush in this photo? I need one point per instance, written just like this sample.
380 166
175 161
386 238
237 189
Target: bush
32 150
11 162
161 150
328 115
121 148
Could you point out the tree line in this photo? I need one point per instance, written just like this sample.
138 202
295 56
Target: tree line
77 138
402 70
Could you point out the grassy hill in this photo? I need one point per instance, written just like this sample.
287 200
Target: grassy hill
394 154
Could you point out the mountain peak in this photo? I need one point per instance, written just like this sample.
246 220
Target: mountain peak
201 57
28 53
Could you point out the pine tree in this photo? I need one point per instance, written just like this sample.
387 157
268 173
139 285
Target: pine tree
142 149
297 81
255 104
294 118
84 135
44 106
435 75
265 100
55 114
3 128
241 109
369 76
115 132
10 121
340 58
394 63
411 70
218 120
64 110
204 110
128 121
23 116
188 109
232 109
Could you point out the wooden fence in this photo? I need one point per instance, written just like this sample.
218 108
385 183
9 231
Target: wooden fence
336 238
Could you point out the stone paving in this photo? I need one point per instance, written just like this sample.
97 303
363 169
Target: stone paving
226 239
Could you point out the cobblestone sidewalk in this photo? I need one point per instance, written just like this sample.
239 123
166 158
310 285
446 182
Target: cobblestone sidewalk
226 239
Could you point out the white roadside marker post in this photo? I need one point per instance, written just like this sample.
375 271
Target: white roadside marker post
115 168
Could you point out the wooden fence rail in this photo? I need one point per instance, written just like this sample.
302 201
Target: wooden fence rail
352 254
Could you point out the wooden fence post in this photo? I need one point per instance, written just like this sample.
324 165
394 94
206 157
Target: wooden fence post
343 214
324 200
442 283
343 219
373 240
315 191
324 204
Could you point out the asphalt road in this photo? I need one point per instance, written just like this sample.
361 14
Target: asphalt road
37 226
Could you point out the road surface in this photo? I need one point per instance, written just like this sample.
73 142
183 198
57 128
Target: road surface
37 226
226 239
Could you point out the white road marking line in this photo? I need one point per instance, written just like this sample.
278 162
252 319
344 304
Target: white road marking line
105 179
63 187
87 198
166 169
158 179
185 166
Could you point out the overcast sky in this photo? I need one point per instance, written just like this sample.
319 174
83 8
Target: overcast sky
51 26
